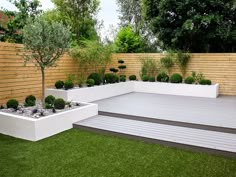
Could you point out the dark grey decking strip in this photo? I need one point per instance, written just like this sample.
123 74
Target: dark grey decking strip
169 122
161 142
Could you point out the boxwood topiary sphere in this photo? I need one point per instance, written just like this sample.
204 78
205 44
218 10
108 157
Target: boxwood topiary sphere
122 78
132 78
96 77
68 85
59 84
205 82
50 99
30 100
189 80
12 103
59 103
162 77
176 78
145 78
151 79
90 82
111 78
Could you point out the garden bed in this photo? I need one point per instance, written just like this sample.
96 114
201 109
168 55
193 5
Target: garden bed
36 129
207 91
90 94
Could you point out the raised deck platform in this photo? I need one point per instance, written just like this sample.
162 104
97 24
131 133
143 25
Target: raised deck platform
197 123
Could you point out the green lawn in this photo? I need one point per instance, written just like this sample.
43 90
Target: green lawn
76 153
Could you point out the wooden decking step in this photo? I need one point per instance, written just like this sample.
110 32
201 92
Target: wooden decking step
190 138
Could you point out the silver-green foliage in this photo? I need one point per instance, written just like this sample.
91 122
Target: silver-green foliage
44 43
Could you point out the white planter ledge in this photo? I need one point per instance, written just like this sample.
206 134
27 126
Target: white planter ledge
207 91
90 94
37 129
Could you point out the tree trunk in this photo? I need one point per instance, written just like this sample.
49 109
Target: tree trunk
43 85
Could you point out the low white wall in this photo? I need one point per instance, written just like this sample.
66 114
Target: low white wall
90 94
37 129
208 91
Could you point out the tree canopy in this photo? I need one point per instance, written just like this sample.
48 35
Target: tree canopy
17 19
79 14
195 26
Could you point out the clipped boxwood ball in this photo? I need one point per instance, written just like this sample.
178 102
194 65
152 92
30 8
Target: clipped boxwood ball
176 78
59 84
59 103
30 100
189 80
68 85
122 78
132 77
162 77
205 82
90 82
151 79
96 77
50 99
12 103
145 78
111 78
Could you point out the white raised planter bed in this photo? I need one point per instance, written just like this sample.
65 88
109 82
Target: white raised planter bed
37 129
89 94
207 91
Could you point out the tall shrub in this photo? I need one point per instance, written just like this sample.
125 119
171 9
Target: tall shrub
182 60
44 43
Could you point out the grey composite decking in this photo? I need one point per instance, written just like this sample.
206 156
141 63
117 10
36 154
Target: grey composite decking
211 113
196 139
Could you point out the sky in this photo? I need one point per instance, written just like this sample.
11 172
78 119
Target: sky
108 12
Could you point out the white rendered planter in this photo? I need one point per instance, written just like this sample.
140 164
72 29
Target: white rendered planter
90 94
37 129
207 91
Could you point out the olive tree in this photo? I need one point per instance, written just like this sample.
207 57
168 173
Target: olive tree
44 43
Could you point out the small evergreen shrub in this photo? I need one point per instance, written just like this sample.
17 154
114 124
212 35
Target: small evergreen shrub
48 106
114 70
90 82
176 78
151 79
12 103
145 78
205 82
121 61
59 103
132 78
50 100
30 100
111 78
162 77
96 77
122 67
122 78
68 85
59 84
189 80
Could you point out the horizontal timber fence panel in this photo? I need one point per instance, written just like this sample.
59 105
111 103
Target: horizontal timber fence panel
218 67
18 81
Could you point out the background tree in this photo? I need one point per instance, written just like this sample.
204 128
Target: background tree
17 20
80 15
127 41
44 43
130 14
195 26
